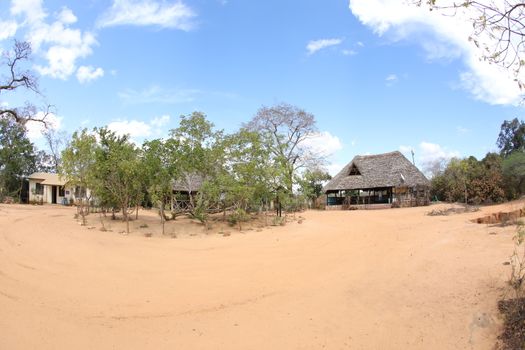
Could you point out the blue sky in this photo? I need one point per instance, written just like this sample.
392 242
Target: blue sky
378 75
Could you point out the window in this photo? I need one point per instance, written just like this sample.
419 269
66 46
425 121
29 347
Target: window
39 188
80 192
354 170
61 192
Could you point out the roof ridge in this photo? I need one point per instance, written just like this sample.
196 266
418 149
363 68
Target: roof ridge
379 155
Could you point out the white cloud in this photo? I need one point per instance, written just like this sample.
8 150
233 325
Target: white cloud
31 9
133 128
55 40
7 29
347 52
432 152
323 143
88 73
334 168
428 154
316 45
490 83
441 36
161 121
66 16
175 15
138 129
35 129
391 79
156 94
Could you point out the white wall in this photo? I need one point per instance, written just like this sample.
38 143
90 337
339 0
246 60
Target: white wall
47 196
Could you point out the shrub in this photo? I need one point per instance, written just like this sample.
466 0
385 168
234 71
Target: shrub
238 217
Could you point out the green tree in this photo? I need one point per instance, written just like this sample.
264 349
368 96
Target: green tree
511 137
514 174
118 173
78 167
78 159
160 162
470 181
312 183
17 157
248 184
201 150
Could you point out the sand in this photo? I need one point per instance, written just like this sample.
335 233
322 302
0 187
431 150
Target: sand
385 279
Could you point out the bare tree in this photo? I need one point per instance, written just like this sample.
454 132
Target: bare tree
498 29
56 141
13 77
286 128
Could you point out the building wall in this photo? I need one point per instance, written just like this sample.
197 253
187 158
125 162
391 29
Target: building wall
398 197
47 196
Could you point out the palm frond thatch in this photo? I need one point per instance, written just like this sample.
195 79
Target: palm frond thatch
377 171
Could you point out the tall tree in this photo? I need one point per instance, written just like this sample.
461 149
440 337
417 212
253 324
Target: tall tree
160 162
17 157
78 159
514 174
285 128
249 168
511 137
78 167
118 173
201 159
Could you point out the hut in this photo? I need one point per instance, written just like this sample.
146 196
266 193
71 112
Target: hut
378 181
188 185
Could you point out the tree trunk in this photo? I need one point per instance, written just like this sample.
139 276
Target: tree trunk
126 217
162 218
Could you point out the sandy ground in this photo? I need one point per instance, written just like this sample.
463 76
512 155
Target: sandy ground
388 279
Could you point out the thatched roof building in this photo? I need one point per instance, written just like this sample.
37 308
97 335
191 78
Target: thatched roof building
388 178
188 183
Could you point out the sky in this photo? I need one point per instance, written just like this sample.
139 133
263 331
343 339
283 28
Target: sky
378 75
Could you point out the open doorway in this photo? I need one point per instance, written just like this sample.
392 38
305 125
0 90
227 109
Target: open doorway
54 195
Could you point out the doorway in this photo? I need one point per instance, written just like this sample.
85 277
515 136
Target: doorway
54 195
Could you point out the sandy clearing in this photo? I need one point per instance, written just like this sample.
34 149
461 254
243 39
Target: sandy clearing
396 279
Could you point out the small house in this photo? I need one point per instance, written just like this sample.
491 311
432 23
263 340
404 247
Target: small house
378 181
49 188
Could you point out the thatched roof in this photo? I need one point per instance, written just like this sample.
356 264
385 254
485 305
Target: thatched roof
380 170
188 183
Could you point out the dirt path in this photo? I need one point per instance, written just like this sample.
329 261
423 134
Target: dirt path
395 279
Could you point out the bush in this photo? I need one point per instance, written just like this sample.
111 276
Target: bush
238 217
